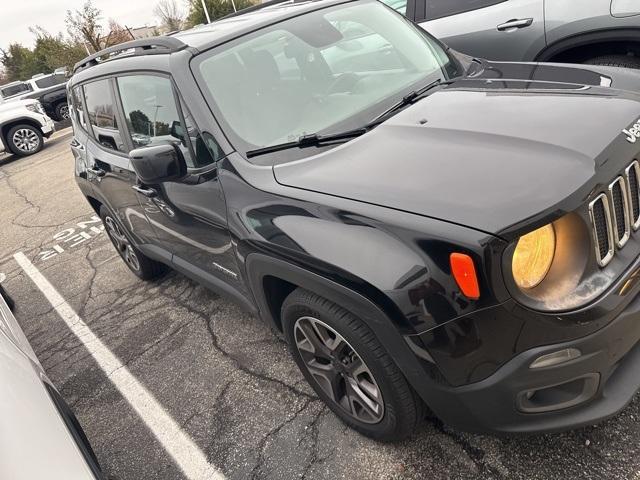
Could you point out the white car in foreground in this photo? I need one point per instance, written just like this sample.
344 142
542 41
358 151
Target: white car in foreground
39 435
23 127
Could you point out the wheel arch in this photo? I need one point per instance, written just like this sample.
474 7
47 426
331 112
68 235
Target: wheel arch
8 125
282 274
272 279
580 47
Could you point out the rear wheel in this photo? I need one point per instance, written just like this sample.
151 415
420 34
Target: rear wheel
349 369
24 140
138 263
62 111
624 61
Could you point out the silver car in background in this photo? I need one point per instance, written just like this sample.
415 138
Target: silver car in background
597 32
39 436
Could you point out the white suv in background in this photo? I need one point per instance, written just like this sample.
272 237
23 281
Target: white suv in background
23 127
40 82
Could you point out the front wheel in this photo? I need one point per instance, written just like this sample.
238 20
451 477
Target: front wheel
24 140
349 369
141 265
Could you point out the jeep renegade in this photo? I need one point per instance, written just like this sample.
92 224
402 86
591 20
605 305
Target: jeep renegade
425 229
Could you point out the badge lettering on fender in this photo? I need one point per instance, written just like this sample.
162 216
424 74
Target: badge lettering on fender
633 134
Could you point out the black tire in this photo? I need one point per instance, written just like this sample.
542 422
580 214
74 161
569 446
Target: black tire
61 112
24 140
402 410
142 266
624 61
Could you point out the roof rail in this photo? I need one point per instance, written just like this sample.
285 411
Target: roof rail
142 46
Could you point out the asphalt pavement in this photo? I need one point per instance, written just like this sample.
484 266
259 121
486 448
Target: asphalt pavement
220 374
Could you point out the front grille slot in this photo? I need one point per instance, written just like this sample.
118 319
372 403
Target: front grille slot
632 174
620 204
616 213
602 229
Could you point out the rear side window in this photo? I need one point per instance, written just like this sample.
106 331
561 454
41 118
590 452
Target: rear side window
445 8
51 80
102 115
16 89
77 107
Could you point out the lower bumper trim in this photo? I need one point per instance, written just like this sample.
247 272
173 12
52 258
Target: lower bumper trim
580 392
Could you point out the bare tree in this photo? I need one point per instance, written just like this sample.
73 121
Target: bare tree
169 14
84 25
117 34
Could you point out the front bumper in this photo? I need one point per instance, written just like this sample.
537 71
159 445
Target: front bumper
598 384
48 127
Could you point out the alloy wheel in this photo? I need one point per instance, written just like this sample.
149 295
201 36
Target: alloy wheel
26 140
339 370
122 244
64 112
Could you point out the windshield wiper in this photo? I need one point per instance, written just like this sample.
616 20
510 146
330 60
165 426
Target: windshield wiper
316 140
407 100
312 140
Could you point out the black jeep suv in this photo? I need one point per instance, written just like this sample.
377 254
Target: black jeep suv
424 228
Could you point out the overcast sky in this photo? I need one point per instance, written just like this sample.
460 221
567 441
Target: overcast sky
16 16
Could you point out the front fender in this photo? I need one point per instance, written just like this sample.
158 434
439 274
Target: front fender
398 260
406 273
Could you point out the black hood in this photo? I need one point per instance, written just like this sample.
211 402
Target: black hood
484 152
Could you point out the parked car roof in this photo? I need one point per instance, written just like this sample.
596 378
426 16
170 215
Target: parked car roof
203 37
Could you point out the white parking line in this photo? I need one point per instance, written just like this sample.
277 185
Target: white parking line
191 460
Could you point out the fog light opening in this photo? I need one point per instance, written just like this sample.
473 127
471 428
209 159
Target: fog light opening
558 397
556 358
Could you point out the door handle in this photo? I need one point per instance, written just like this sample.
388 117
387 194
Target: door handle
147 192
512 24
98 172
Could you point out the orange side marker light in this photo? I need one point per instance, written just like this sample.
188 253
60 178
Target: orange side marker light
464 272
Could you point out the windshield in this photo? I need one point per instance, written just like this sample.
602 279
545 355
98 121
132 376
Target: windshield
15 89
324 71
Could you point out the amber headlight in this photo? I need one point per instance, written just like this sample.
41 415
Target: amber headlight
533 257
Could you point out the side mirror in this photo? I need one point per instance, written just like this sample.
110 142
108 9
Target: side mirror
159 163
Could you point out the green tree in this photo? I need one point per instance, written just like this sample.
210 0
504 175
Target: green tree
49 52
54 51
139 122
19 62
217 9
